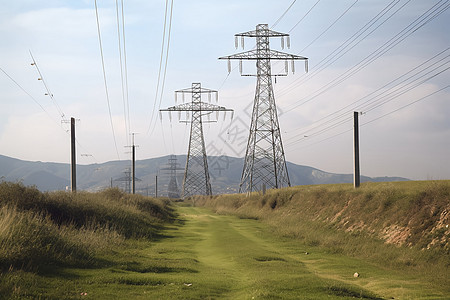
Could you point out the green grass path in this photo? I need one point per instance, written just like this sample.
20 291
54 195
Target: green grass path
223 257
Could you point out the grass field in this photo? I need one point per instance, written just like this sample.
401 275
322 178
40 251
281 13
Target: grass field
204 255
402 226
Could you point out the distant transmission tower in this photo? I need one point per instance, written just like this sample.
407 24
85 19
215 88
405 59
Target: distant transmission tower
196 176
264 164
172 167
126 179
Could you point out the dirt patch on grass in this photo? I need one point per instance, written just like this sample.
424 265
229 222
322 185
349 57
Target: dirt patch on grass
396 234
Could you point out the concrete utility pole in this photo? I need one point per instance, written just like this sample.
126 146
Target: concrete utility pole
73 165
264 162
356 174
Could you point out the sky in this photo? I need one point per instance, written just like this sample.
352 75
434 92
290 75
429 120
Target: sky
386 59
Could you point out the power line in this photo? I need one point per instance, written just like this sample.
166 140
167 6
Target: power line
49 93
166 61
421 21
402 35
160 87
388 97
304 16
403 92
344 121
344 48
409 82
125 67
125 106
376 119
330 26
104 79
160 65
32 98
424 64
404 106
282 16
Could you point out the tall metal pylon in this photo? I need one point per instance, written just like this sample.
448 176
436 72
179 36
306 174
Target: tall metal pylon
264 163
172 167
196 175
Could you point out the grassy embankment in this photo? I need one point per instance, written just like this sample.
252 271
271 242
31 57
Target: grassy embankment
402 226
114 246
41 233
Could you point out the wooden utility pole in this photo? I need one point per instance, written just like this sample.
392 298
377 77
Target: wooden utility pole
134 167
356 174
156 186
73 165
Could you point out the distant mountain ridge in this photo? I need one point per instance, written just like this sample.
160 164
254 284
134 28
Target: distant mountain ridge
225 173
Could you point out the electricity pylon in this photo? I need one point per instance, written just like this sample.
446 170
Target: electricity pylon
264 163
196 175
172 167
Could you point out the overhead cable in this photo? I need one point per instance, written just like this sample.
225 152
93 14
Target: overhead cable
160 85
282 16
382 95
421 21
104 79
126 113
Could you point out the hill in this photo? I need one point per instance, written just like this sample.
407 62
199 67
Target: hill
225 174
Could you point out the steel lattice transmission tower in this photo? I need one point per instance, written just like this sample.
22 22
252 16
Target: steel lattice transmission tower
172 167
264 163
196 175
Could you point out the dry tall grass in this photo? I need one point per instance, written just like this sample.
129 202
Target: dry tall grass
38 230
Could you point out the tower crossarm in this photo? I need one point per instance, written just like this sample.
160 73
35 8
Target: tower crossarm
272 55
199 90
258 33
170 168
196 106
